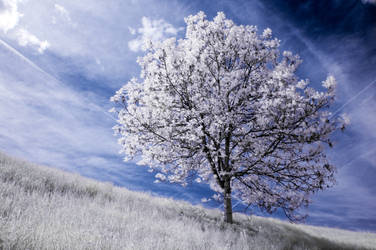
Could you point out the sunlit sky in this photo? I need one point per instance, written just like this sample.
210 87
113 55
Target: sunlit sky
62 60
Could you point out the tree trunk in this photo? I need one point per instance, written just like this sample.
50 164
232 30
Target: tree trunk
227 201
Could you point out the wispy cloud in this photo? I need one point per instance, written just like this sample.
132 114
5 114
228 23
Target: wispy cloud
62 15
151 30
369 1
22 57
63 12
45 120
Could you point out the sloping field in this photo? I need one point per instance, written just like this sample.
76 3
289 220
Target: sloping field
45 208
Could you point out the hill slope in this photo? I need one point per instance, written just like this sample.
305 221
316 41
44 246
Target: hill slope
45 208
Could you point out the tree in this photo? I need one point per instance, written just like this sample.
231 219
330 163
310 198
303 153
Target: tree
222 105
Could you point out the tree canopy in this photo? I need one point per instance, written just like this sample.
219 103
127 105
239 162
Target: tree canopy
223 105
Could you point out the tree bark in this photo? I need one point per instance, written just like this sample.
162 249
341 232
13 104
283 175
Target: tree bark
227 201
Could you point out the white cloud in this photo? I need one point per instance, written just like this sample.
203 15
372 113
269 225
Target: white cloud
9 15
25 38
151 30
9 23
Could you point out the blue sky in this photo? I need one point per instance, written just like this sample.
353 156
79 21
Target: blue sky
61 61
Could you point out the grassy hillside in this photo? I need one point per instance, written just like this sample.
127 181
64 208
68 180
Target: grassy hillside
44 208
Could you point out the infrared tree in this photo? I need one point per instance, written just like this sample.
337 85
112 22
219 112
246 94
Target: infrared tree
224 106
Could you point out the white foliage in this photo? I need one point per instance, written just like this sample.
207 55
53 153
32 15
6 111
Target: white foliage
224 104
345 119
160 176
329 83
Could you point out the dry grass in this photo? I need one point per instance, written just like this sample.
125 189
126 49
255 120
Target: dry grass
44 208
